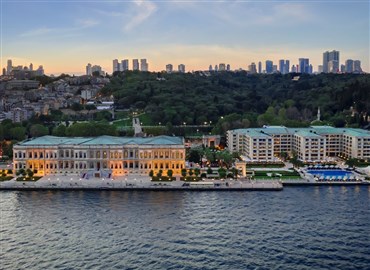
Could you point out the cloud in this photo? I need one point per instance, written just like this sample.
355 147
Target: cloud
143 10
37 32
80 25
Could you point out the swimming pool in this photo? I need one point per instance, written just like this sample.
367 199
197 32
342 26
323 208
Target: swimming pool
330 173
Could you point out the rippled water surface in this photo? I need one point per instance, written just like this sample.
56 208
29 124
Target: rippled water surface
298 228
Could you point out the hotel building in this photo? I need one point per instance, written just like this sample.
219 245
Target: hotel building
311 144
103 156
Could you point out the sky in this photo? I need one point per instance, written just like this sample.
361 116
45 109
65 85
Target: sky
65 35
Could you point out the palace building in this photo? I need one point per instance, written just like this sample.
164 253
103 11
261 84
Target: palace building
312 144
103 156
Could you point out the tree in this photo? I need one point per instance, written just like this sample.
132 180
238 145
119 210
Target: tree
60 131
209 170
222 172
235 172
76 106
169 173
159 174
18 133
183 172
151 173
191 172
38 130
194 156
196 172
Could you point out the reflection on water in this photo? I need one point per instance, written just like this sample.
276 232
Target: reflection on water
299 228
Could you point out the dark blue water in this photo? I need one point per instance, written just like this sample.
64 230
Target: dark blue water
298 228
330 173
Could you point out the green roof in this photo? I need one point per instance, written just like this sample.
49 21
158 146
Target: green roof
312 131
103 140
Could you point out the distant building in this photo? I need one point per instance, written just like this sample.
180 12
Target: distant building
18 115
269 66
124 65
274 69
210 68
310 69
252 68
31 67
116 66
294 69
88 69
181 68
342 68
284 66
357 66
333 66
169 68
40 71
216 68
144 65
304 65
320 69
4 71
349 66
9 67
259 67
221 67
330 56
135 64
97 68
228 67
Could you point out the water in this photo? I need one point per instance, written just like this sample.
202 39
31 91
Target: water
298 228
330 173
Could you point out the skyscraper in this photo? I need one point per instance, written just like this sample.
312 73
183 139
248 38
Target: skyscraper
116 65
349 66
269 66
4 71
333 66
124 64
135 64
216 68
210 68
304 65
330 56
357 66
342 68
294 69
9 67
284 66
259 67
228 67
88 69
221 67
169 68
181 68
252 68
310 69
31 67
144 65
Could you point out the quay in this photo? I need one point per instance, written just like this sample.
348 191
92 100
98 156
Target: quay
138 183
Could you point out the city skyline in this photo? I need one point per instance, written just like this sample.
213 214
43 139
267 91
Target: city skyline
194 34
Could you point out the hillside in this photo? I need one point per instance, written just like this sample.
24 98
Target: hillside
240 100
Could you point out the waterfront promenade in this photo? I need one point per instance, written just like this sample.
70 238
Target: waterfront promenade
74 182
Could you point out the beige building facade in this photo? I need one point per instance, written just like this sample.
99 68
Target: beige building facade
103 156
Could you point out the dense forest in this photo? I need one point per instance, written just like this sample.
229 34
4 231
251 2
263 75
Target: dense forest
237 99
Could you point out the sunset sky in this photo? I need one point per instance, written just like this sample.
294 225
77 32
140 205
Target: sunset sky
64 36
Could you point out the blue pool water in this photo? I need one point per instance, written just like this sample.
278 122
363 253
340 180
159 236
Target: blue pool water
330 173
295 229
